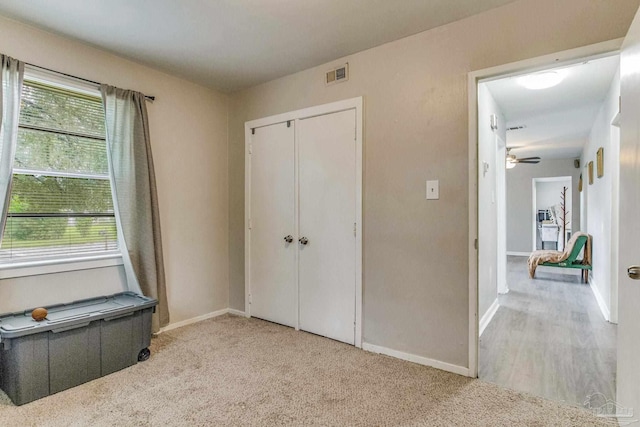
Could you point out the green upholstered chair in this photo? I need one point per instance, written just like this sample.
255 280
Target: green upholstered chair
573 261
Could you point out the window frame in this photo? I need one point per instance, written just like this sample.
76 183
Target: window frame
62 264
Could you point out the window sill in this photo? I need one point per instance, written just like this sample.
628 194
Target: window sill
36 268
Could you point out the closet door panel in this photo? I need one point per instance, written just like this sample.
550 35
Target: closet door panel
272 259
327 215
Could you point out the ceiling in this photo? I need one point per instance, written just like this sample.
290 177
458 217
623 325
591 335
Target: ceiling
558 119
234 44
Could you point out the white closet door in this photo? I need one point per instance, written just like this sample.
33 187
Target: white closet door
327 209
272 259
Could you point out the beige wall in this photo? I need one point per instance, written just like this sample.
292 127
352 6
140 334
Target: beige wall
415 252
188 125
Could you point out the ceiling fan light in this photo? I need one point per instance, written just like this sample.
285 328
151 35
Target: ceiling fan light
543 80
510 164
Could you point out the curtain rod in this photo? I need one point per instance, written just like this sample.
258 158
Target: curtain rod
147 97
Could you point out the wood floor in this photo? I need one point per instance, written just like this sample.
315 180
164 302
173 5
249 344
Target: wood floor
549 338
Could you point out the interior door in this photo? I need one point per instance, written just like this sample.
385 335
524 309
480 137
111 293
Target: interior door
327 209
628 377
272 217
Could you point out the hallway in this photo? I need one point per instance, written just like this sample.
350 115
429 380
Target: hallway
549 337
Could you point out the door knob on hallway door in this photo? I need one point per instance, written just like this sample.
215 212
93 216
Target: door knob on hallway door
634 272
288 238
303 240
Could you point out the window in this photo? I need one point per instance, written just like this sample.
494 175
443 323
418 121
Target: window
61 205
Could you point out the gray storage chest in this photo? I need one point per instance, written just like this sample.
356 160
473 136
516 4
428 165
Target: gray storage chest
76 343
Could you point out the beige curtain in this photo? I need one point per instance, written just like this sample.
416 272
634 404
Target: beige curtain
11 76
135 196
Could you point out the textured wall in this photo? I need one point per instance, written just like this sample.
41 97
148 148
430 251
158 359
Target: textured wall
188 125
415 91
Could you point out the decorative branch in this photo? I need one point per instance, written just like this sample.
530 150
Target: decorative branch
564 216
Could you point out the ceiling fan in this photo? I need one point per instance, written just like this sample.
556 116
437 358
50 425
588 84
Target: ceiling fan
512 160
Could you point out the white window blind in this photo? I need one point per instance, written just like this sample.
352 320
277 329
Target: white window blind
61 204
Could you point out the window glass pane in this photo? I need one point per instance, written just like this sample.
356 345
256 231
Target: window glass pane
45 151
61 205
55 195
59 110
41 238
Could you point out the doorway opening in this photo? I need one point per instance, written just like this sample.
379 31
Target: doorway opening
552 204
541 129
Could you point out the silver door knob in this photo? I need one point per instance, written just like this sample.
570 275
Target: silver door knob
303 240
634 272
288 238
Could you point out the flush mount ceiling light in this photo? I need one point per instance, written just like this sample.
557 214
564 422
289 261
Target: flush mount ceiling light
542 80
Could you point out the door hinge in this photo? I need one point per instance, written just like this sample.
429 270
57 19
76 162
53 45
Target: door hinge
250 148
475 244
249 224
249 298
253 131
355 228
288 123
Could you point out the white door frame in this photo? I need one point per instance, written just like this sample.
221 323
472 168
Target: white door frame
534 214
566 57
334 107
501 211
534 201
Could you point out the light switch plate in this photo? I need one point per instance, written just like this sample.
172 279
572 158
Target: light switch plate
433 190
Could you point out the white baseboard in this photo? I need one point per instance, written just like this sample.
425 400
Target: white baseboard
237 312
519 253
460 370
486 318
603 306
193 320
503 288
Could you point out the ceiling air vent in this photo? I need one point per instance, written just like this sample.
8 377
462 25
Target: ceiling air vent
517 127
337 75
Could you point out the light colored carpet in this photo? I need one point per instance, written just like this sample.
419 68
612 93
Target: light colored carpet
246 372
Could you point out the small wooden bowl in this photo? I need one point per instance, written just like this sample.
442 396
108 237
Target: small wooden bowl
39 314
